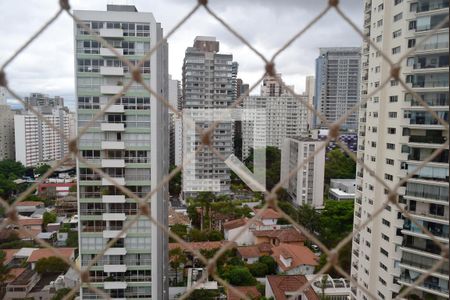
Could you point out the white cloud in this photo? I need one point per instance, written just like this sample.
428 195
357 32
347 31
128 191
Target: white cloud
47 64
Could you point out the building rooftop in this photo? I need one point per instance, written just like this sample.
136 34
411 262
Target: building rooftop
115 7
24 278
284 235
25 252
43 282
44 252
250 291
299 255
9 255
234 224
285 285
268 213
199 245
30 203
249 251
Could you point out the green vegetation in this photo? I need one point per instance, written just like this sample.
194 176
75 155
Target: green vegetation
4 271
240 276
49 217
175 184
204 294
177 259
273 165
339 165
51 265
61 293
42 169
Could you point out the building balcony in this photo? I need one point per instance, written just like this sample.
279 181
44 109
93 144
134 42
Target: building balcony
111 71
432 47
110 234
116 251
113 285
118 180
111 33
427 139
114 217
113 145
425 216
116 108
113 163
425 286
108 52
426 6
115 268
422 267
113 199
111 89
112 126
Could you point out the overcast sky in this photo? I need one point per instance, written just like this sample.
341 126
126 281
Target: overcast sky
47 65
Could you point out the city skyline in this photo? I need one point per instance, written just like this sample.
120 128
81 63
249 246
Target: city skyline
25 73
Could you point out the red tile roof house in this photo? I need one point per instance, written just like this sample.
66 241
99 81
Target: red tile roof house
294 259
282 287
232 232
250 291
68 253
269 216
249 254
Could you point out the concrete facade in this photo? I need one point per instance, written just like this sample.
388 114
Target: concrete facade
130 143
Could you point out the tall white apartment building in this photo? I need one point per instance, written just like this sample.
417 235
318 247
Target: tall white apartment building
130 143
36 142
337 88
209 83
7 139
306 185
396 134
285 116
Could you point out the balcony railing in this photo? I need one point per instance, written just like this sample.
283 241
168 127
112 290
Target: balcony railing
424 266
432 46
430 84
427 139
423 7
427 285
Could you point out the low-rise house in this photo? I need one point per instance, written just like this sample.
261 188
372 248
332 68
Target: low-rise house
269 216
32 224
249 254
195 275
178 217
250 291
68 253
286 234
283 287
294 259
342 189
53 227
27 208
332 288
22 285
49 237
235 231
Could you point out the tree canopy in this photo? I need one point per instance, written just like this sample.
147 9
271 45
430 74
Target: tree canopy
51 265
338 165
240 276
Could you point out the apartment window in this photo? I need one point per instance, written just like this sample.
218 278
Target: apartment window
383 282
397 2
398 17
375 114
411 43
436 209
384 252
413 7
410 61
379 38
372 158
374 129
377 69
376 99
397 33
368 244
394 82
412 25
370 187
376 84
369 230
393 98
380 7
392 114
385 237
380 23
386 222
391 130
389 161
383 266
390 146
381 295
396 50
388 177
374 144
